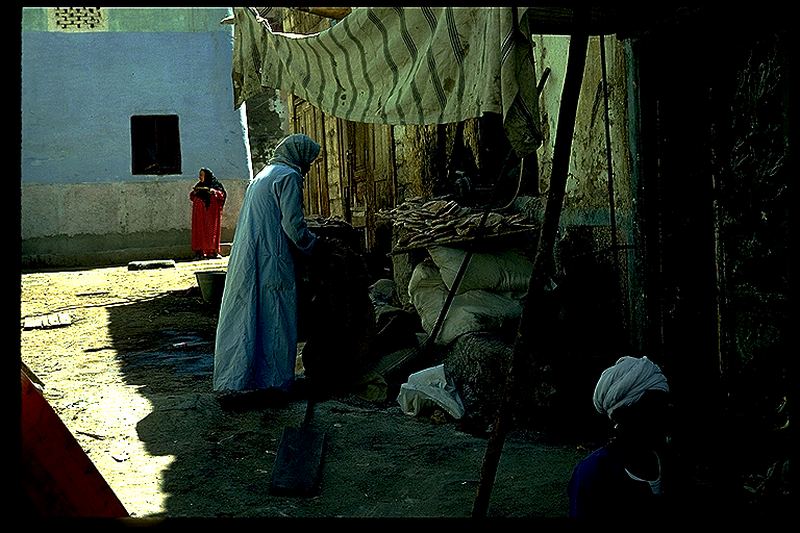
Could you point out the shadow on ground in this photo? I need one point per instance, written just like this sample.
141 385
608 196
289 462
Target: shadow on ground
378 462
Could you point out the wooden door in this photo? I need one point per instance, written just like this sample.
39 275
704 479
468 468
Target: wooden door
369 172
311 121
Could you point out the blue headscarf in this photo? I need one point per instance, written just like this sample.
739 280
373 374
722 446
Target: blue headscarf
297 151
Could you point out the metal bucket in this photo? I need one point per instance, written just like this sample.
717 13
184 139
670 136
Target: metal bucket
211 283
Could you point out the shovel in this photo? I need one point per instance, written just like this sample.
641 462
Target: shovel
299 459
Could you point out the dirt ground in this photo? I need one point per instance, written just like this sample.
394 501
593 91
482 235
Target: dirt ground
130 376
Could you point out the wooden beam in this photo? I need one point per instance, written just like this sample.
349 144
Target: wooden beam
529 329
337 13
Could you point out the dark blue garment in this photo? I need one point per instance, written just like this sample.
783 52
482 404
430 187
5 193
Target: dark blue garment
600 489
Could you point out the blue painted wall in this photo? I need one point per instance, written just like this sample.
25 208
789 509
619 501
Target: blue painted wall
79 91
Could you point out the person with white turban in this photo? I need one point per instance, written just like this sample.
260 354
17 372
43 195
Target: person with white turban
624 383
626 473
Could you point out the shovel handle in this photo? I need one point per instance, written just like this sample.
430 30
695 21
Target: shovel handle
309 412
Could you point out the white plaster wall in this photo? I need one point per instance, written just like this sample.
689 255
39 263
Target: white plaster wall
84 222
79 200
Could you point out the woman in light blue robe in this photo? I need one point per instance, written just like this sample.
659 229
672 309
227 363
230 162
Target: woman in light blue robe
256 341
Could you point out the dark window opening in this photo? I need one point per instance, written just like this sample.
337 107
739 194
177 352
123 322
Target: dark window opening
155 144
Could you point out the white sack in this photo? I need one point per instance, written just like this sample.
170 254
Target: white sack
504 272
427 388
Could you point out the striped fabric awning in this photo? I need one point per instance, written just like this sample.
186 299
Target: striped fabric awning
400 65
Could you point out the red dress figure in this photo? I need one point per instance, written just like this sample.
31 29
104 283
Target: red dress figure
207 196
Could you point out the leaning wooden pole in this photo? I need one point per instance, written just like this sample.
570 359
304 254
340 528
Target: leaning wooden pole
528 325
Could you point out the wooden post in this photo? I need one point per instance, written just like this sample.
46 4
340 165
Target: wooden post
529 325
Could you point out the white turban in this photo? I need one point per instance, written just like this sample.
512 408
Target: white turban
625 382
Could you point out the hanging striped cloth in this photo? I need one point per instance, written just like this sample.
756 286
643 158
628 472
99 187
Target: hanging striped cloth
400 65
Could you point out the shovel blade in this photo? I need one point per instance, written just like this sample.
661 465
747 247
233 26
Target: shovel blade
298 462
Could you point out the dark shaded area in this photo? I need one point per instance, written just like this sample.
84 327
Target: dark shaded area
377 461
155 144
340 316
164 340
586 312
165 346
715 211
